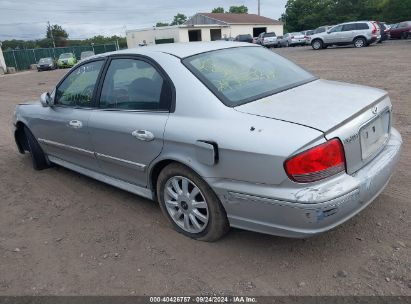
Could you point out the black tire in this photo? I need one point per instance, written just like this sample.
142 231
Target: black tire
217 225
404 35
360 42
317 44
38 157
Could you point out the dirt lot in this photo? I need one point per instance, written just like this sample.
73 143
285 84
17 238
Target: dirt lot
62 233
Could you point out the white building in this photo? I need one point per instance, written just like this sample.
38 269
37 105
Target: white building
206 27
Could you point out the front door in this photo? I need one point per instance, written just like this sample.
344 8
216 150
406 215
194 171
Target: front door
127 129
334 35
63 128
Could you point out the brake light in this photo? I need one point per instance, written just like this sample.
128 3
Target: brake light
316 163
374 31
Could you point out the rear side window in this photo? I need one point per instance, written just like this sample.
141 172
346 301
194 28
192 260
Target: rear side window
240 75
133 84
362 26
349 27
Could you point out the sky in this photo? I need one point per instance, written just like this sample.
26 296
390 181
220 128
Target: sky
27 19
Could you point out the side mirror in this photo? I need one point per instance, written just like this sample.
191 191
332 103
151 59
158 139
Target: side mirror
46 100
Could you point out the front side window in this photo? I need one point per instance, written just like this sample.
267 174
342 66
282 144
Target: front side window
243 74
335 29
77 89
133 84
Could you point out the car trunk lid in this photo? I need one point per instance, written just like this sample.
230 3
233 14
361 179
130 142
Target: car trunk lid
336 109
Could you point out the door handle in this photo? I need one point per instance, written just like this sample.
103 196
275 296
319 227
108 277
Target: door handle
143 135
75 124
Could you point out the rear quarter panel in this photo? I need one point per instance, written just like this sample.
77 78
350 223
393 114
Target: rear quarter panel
250 148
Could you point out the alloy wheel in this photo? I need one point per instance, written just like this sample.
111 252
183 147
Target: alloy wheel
185 204
317 45
359 43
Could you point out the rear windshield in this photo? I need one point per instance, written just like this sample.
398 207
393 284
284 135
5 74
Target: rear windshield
240 75
319 30
272 34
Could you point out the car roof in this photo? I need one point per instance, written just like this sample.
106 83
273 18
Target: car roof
182 50
354 22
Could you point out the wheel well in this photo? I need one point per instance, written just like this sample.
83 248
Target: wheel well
158 167
317 39
20 138
155 172
360 37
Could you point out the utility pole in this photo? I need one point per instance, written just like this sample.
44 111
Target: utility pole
51 33
258 7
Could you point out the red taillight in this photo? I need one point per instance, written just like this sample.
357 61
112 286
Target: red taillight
374 31
316 163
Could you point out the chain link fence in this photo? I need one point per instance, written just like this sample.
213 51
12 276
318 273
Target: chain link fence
22 59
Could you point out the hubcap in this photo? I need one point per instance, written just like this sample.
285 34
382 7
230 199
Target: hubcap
186 204
359 43
316 45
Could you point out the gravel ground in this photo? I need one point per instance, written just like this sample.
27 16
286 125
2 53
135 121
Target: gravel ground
65 234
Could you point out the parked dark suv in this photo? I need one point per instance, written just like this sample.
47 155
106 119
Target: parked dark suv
244 38
402 30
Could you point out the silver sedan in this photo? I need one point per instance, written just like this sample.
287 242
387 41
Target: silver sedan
220 134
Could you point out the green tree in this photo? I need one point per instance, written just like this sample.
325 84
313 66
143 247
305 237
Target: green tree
57 33
242 9
179 19
308 14
218 10
395 10
160 24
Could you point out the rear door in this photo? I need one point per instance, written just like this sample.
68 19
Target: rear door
63 130
348 33
127 129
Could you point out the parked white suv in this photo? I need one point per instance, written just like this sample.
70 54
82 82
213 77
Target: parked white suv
268 39
360 34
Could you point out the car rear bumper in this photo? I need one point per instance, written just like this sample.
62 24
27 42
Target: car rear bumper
307 210
45 68
271 43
